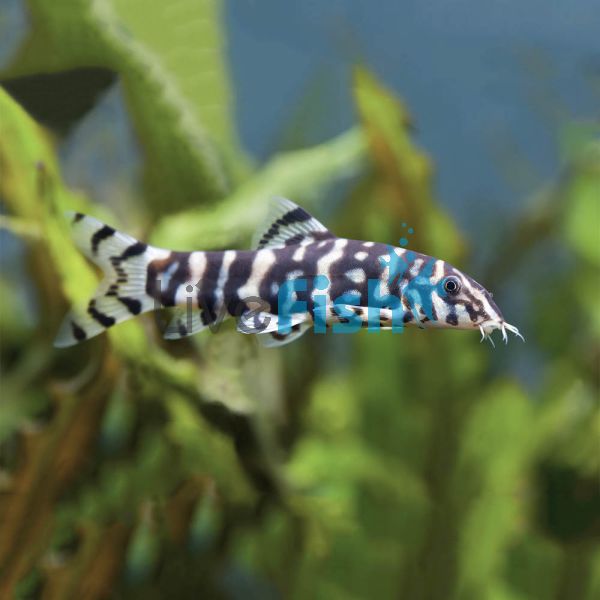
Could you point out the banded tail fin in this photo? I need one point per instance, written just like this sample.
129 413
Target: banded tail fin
122 293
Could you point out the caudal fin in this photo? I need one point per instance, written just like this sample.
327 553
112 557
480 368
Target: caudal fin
122 293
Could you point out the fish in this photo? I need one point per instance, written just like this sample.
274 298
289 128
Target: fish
297 276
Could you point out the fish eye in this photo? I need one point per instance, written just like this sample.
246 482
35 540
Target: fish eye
452 285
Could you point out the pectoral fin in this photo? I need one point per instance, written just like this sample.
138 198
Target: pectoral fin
253 322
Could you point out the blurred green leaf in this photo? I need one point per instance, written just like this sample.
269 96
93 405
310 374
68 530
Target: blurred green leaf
142 554
31 187
582 215
305 176
496 449
405 173
187 38
180 135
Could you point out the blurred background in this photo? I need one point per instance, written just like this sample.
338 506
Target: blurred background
414 466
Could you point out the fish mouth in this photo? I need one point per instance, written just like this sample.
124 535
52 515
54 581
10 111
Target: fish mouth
487 327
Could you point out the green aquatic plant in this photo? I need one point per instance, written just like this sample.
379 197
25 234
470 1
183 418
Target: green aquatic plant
361 466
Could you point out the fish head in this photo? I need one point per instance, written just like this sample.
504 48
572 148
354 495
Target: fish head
443 296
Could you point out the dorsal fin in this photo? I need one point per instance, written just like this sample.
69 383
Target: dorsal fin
287 224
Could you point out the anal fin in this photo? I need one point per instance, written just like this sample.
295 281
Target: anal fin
274 339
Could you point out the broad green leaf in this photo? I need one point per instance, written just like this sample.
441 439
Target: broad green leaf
183 160
187 39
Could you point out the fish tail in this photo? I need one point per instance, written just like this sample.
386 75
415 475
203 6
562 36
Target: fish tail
122 293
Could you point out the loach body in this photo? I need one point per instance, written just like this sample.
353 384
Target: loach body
299 275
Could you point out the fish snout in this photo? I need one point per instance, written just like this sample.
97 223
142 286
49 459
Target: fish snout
491 310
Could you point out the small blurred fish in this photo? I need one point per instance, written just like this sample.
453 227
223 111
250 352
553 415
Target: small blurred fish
246 284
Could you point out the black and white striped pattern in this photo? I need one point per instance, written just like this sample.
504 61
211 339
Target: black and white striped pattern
122 293
287 224
206 287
